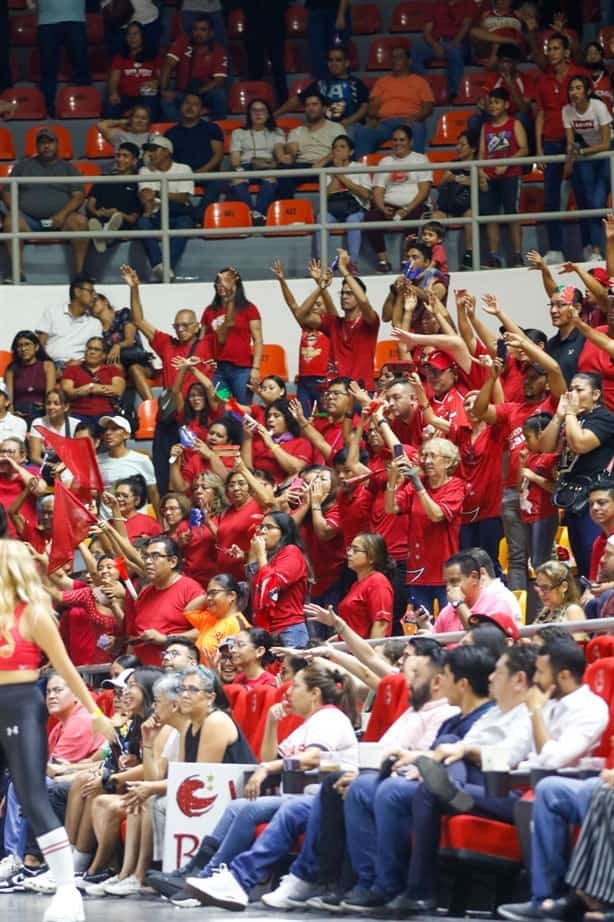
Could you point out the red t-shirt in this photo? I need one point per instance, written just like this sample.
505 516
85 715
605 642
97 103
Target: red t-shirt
551 96
326 557
314 354
473 379
409 432
512 381
450 407
431 543
238 346
500 141
394 529
133 74
195 464
602 89
513 416
140 525
535 502
11 487
197 63
169 348
236 526
448 18
162 609
332 432
353 345
279 590
263 458
592 358
367 601
96 405
596 554
354 509
481 469
82 625
265 679
198 554
526 84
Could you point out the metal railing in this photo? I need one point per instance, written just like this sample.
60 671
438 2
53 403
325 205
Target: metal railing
322 226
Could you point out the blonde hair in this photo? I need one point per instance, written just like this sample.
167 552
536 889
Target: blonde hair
446 449
19 582
558 572
215 483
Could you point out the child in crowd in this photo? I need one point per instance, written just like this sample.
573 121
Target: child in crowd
537 484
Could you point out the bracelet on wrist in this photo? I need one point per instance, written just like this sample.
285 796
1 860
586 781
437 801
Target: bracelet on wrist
317 508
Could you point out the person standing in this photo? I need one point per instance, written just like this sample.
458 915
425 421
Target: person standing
61 24
265 34
329 24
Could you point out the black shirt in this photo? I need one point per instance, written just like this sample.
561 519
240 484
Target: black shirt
193 145
344 95
566 352
117 195
600 421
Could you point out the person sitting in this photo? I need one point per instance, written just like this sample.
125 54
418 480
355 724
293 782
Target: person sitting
124 343
111 206
133 75
11 426
445 35
307 146
64 333
465 595
199 64
29 376
93 387
199 144
132 128
347 195
400 99
253 148
51 206
180 191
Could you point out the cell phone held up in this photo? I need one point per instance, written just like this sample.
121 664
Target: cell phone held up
502 350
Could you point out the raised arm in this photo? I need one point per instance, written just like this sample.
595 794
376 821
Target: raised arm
131 279
368 314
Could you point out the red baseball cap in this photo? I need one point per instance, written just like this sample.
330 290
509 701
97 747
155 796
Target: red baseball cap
601 276
440 360
503 621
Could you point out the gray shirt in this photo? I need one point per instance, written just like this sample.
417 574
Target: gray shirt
42 200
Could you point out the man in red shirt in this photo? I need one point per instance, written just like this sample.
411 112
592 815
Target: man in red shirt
521 86
601 507
550 134
446 400
199 64
188 343
445 35
405 419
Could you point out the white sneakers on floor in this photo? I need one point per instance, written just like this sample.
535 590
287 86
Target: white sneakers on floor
291 893
66 906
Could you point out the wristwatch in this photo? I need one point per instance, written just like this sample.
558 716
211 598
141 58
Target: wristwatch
455 605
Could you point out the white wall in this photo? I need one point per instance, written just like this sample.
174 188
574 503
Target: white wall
520 292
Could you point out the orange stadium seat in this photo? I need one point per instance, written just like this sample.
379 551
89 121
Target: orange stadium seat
379 51
288 122
161 127
294 58
297 19
29 100
64 66
536 175
285 212
6 357
407 17
366 19
274 361
7 148
450 125
227 126
78 102
23 29
6 168
245 90
470 89
146 414
531 200
87 168
391 700
95 145
296 86
65 145
439 85
236 24
227 214
440 156
386 350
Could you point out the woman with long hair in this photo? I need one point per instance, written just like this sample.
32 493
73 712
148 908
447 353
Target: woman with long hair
253 148
237 524
27 628
348 194
234 326
280 579
558 593
30 375
57 418
134 74
133 126
94 387
218 613
281 449
216 453
124 343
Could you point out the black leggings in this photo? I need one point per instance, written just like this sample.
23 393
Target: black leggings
23 750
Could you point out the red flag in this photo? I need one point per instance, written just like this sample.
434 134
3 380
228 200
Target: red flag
71 525
80 458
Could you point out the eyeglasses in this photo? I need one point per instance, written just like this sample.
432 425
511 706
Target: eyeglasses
354 549
266 527
155 556
190 690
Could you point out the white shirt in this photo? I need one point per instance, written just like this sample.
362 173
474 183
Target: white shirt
144 11
402 187
73 422
255 144
67 335
327 729
314 144
134 462
510 729
587 124
13 427
170 750
175 185
575 723
418 729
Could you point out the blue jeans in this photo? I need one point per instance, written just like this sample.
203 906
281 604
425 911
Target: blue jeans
236 829
378 822
582 533
559 804
309 390
590 180
321 36
353 236
306 863
422 54
275 842
369 139
487 534
235 378
51 39
153 248
296 635
553 177
267 193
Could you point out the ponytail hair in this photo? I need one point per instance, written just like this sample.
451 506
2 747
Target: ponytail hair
335 688
229 584
261 638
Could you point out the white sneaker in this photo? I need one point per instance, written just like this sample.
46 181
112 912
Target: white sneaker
42 883
95 226
125 887
115 222
595 256
9 866
158 273
66 906
223 889
99 889
292 891
553 257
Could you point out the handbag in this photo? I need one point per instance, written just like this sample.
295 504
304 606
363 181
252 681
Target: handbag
167 401
342 204
454 199
572 495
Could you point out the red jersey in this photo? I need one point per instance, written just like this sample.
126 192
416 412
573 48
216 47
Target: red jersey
431 543
513 416
526 84
279 590
551 97
596 554
473 379
326 557
353 346
354 508
368 600
195 464
602 88
236 526
197 63
393 528
535 502
198 554
592 358
162 609
332 431
140 525
450 407
512 381
448 18
481 467
96 405
133 74
265 459
169 348
314 354
409 432
500 141
440 258
238 346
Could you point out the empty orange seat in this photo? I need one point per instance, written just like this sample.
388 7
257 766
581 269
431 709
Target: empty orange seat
380 50
407 17
96 146
536 175
78 102
227 214
288 122
7 149
29 101
286 212
273 361
531 200
366 19
450 125
65 147
227 126
386 350
244 91
87 168
439 86
468 836
236 24
146 415
470 88
23 29
6 357
294 59
297 19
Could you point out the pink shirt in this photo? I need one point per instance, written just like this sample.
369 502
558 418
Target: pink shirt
488 602
418 729
73 739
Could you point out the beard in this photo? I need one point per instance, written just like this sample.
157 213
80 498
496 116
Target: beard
420 696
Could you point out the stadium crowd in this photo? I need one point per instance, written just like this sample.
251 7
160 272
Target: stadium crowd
463 484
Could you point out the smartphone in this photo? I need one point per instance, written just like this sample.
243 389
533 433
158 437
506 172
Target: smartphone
397 450
502 350
585 583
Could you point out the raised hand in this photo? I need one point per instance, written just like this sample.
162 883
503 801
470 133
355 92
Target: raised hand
491 305
535 260
277 269
129 276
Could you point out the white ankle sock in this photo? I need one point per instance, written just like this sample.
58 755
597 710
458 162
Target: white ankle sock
81 860
57 852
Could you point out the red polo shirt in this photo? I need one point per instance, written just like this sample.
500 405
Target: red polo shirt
551 97
353 345
197 63
448 18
